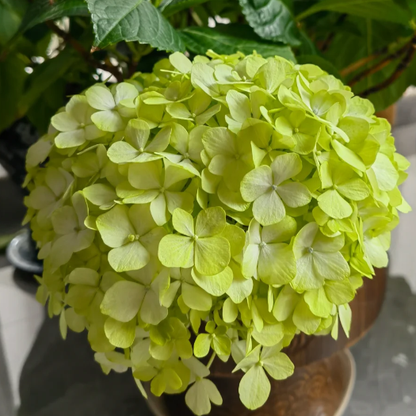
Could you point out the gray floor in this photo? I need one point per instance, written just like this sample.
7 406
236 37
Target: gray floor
58 378
386 359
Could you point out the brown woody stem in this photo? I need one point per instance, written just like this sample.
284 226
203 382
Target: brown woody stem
378 67
401 67
361 62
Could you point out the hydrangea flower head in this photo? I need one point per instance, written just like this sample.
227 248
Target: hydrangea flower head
215 207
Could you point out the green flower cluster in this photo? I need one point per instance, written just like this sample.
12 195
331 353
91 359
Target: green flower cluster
217 206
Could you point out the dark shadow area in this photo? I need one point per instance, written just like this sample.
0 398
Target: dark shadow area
61 378
25 281
12 210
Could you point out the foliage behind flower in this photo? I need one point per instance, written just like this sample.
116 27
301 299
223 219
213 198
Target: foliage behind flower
237 198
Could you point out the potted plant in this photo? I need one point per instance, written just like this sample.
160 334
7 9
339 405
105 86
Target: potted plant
112 148
212 209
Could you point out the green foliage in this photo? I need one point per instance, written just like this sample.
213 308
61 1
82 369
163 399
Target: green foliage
170 7
40 11
271 20
371 9
132 20
12 78
226 39
234 197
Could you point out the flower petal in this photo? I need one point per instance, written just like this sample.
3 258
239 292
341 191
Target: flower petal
123 300
333 204
176 251
294 194
285 166
256 183
268 209
277 265
212 255
132 256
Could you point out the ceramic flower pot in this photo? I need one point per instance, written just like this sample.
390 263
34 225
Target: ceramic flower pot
324 376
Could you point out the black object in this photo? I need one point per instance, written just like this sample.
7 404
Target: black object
14 143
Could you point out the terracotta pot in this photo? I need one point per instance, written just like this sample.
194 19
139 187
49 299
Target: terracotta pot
324 375
389 113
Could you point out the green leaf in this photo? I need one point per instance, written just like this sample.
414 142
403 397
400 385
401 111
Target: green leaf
10 18
230 39
132 20
254 388
41 11
169 7
44 76
271 20
371 9
12 79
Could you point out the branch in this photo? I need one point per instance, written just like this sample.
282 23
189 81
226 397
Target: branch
382 64
406 61
83 52
363 61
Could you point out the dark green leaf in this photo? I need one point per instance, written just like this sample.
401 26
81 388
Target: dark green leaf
271 20
388 96
411 5
10 18
169 7
44 76
306 47
132 20
43 10
321 62
371 9
228 39
12 78
46 106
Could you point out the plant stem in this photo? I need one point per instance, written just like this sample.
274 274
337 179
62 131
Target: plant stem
361 62
211 360
401 67
83 52
379 66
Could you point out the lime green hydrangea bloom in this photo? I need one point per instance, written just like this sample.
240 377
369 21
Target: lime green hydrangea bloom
216 207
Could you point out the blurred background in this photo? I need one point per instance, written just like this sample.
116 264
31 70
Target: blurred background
48 51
